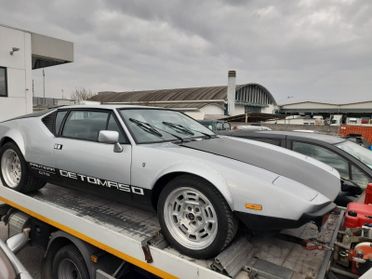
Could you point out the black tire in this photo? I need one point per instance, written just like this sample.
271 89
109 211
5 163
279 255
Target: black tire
227 223
27 183
66 257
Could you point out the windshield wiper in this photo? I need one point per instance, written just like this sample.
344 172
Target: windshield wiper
204 134
184 129
178 128
153 129
146 127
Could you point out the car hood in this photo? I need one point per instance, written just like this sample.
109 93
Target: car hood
289 164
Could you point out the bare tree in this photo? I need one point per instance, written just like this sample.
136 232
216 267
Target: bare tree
82 94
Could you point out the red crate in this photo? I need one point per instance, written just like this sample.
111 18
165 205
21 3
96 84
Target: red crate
357 215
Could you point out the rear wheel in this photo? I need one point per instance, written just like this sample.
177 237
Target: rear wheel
195 217
14 171
68 263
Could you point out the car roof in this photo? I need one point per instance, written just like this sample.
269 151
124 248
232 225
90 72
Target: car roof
107 106
312 136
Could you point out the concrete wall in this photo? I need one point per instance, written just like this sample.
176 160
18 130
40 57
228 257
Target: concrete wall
197 115
239 109
212 109
269 109
19 77
331 130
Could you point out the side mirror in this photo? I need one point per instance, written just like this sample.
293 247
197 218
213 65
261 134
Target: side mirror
350 187
110 137
18 241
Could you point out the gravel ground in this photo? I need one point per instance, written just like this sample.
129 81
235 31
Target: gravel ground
30 256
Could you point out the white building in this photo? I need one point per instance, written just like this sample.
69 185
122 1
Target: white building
213 102
20 52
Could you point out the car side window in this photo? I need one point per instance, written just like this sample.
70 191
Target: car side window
113 125
359 177
324 155
59 118
85 125
268 140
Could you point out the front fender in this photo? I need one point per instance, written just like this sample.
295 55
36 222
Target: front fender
203 171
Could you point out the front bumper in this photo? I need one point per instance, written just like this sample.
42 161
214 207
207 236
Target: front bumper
266 223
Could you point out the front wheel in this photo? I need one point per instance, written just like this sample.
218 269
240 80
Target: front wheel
195 217
14 171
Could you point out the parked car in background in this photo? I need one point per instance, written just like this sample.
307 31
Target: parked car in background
251 128
10 266
216 125
201 185
353 161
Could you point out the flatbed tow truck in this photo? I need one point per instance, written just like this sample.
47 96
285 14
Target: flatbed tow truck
117 241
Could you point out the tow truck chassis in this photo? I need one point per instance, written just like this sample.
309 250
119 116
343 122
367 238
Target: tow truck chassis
133 236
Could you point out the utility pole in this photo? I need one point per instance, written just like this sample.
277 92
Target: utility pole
33 88
43 83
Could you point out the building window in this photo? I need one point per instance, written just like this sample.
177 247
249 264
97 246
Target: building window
3 83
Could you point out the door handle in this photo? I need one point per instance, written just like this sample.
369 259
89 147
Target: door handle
58 146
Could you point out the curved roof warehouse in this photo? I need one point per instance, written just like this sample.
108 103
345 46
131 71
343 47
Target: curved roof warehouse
210 102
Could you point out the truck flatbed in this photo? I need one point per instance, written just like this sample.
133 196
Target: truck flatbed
133 235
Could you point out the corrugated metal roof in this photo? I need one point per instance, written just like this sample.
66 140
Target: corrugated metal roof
178 94
183 105
207 94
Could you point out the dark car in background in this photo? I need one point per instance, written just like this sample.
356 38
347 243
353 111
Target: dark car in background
353 161
216 125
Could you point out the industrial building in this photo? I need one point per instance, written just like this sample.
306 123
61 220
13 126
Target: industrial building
21 52
213 102
309 107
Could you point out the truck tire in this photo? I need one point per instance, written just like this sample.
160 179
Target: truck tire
14 172
68 263
195 218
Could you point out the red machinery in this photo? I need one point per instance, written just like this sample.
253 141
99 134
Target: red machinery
354 247
359 214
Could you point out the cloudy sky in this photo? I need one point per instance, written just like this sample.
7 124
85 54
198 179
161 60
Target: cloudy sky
300 50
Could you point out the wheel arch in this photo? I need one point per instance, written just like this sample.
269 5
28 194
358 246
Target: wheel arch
216 182
16 137
60 239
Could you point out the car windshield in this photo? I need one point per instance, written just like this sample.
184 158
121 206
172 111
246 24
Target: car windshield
362 154
159 125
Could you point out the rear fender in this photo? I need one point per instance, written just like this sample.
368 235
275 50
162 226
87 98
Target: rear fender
8 133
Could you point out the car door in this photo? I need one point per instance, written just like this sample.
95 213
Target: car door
359 177
323 154
82 161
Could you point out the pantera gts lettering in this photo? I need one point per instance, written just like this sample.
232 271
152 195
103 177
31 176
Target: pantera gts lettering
43 170
102 182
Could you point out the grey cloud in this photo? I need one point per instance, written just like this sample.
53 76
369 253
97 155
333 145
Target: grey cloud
317 50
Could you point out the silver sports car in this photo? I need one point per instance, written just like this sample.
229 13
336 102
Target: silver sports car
201 185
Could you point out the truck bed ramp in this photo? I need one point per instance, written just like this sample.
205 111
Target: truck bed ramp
133 235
